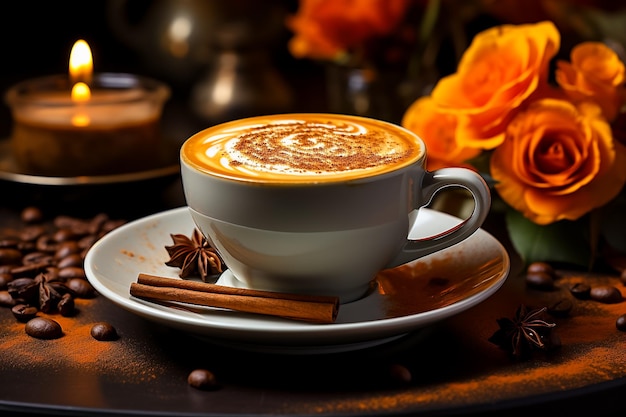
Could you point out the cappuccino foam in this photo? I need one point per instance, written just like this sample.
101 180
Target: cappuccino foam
301 148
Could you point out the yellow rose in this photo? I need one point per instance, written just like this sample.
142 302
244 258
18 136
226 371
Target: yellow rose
501 68
595 73
437 131
558 161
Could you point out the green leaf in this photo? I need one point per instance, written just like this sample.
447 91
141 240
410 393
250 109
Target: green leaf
564 241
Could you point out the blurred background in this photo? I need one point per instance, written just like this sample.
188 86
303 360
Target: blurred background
187 44
197 45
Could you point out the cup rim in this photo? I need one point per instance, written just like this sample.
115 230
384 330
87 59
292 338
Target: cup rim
367 176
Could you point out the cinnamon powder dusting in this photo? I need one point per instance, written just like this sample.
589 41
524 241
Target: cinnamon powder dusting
75 349
593 351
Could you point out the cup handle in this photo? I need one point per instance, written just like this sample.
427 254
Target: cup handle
432 183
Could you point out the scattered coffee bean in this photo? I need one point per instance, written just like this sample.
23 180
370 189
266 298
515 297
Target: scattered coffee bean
81 288
38 257
580 290
622 277
561 308
400 373
31 215
46 244
620 323
5 278
32 233
606 294
10 256
70 272
66 305
23 289
71 260
43 328
6 299
540 281
55 250
24 312
104 332
202 379
67 248
541 267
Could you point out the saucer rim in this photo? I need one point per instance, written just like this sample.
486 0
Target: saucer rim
296 334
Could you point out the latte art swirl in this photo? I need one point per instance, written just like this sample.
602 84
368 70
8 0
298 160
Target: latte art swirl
312 148
303 149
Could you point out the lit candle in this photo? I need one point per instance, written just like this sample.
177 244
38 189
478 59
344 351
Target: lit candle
86 123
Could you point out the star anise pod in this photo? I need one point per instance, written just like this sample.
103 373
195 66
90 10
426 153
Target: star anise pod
41 291
194 256
527 331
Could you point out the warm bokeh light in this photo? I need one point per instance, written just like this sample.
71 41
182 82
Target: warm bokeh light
80 94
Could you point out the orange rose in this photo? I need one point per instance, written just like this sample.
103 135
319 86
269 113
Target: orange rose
501 68
437 131
558 161
595 73
324 29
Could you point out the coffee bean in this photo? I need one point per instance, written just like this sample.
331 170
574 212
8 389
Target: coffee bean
73 259
202 379
6 299
9 242
10 256
64 235
23 288
31 215
622 277
46 244
70 272
67 248
399 373
620 323
5 278
561 308
32 233
43 328
87 241
540 281
24 312
81 287
580 290
606 294
66 305
38 257
104 332
541 267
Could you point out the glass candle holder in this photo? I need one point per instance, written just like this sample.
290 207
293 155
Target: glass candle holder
115 131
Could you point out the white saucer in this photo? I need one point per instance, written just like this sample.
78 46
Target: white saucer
408 297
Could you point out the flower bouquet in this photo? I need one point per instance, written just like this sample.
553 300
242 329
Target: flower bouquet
548 134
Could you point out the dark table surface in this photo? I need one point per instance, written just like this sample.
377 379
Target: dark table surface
454 369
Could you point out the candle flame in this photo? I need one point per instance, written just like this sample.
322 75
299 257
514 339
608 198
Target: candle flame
81 62
81 72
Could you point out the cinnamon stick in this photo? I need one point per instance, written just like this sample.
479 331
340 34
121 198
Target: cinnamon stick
315 309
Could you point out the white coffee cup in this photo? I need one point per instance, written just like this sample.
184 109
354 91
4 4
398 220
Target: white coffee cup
317 203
